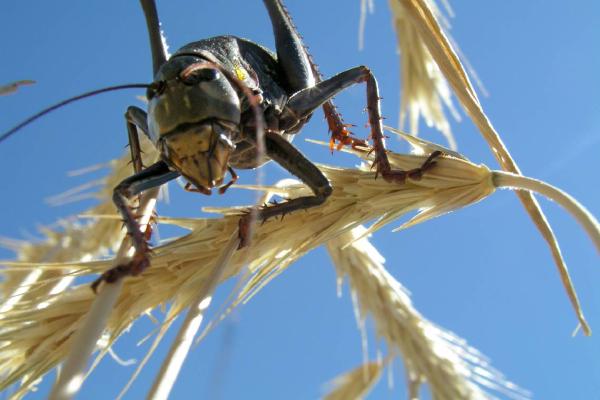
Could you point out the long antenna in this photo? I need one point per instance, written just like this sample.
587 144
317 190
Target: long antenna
68 101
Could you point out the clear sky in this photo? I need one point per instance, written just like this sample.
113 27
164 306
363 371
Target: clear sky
482 272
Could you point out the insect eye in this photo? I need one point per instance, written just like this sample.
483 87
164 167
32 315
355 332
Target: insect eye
200 75
155 89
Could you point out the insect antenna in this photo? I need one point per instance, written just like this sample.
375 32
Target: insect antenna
60 104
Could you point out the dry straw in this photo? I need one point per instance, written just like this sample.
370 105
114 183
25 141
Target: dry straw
355 384
424 91
76 241
74 368
179 268
12 87
431 355
425 18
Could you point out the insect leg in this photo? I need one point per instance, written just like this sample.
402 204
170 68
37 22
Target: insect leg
136 120
290 158
139 118
305 101
291 54
159 53
134 142
153 176
297 62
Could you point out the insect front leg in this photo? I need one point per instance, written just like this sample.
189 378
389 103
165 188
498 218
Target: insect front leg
307 100
290 158
136 118
151 177
124 193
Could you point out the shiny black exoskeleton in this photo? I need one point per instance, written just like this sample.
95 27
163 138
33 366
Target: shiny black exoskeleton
206 105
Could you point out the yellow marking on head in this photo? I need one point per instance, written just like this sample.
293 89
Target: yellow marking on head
240 73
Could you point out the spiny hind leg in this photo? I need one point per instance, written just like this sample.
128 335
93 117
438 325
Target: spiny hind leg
304 102
302 71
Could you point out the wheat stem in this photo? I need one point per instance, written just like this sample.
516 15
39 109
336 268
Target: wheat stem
180 348
86 336
504 179
84 343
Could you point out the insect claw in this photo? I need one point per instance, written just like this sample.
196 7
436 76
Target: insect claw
95 284
243 231
376 163
415 174
135 267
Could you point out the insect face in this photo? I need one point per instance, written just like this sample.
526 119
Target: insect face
200 152
193 117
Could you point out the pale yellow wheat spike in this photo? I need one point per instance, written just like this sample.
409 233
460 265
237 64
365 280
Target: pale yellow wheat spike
184 264
424 91
423 16
431 355
76 241
34 339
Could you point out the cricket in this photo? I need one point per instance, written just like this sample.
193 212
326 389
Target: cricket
226 103
247 89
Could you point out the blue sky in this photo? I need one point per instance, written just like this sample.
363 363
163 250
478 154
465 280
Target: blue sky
482 272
